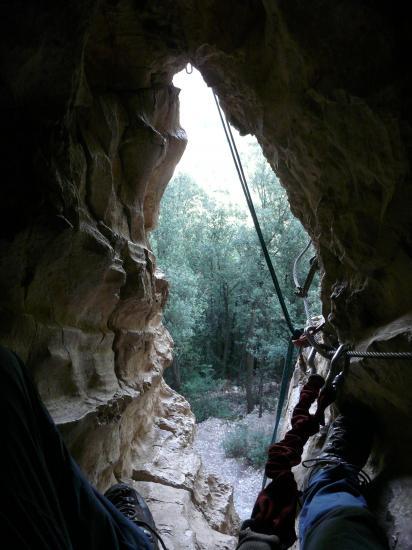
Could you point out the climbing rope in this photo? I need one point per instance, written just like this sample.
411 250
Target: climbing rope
286 375
276 505
243 182
298 338
287 369
323 350
376 354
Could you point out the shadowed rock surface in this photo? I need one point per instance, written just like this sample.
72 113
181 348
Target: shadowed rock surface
90 138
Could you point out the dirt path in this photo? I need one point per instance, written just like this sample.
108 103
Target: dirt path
246 480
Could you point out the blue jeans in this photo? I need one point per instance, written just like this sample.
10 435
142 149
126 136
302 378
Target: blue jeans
46 502
335 514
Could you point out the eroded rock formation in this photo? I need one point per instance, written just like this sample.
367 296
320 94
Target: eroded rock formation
193 509
90 138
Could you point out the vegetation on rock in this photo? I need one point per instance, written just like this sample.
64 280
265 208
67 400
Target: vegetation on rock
251 445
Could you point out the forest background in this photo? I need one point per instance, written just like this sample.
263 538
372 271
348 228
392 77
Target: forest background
222 311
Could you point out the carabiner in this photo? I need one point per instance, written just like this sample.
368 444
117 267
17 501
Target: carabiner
334 378
311 361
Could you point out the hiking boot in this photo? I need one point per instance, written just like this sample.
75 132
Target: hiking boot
132 505
349 440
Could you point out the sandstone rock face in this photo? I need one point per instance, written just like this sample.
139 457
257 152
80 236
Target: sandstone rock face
181 525
83 299
192 509
90 137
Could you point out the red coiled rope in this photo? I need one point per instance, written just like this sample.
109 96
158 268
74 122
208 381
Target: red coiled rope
275 508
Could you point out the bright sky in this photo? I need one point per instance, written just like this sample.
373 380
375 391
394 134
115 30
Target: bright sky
207 157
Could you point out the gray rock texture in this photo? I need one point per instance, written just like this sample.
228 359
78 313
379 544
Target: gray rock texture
193 508
90 137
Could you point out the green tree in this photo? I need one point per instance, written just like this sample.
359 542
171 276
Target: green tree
223 313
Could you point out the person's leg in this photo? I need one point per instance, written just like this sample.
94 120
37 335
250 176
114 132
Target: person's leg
46 501
335 513
330 488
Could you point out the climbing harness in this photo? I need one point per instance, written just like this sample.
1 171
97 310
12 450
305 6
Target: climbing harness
364 479
276 505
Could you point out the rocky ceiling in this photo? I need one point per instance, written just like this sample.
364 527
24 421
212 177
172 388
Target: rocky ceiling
90 137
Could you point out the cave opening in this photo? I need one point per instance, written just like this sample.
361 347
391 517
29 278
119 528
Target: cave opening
223 314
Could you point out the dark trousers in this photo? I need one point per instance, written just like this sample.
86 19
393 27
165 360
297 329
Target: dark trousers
45 500
335 515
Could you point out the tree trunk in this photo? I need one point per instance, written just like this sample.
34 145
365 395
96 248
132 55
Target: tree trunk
260 393
250 401
249 365
227 331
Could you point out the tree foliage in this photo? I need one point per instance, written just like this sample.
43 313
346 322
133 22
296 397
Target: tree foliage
223 313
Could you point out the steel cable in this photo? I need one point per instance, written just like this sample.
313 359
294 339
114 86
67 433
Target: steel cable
327 352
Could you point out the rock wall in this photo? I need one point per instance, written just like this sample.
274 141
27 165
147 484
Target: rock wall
90 137
81 298
193 509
